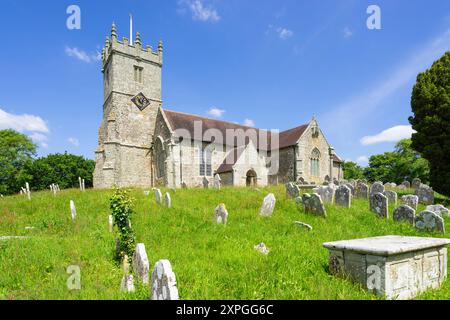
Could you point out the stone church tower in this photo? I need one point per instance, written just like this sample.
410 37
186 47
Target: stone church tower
132 97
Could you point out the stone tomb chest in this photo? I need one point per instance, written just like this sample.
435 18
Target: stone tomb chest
394 267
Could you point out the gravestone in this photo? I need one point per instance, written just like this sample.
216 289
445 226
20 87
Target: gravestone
184 185
110 223
404 213
416 183
127 284
164 283
377 187
268 205
429 221
313 204
158 196
439 209
167 200
292 190
402 187
425 194
392 197
205 183
410 200
393 185
326 193
343 197
73 210
140 263
407 184
80 183
379 204
351 187
262 249
217 182
221 214
362 191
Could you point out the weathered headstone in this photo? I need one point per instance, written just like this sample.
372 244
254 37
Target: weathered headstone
379 204
184 185
343 197
262 248
404 213
205 183
84 185
392 197
221 214
425 194
80 183
407 184
439 209
377 187
429 221
268 205
127 284
164 283
416 183
410 200
326 193
110 223
292 190
167 200
217 182
140 263
351 187
362 191
313 204
73 210
158 196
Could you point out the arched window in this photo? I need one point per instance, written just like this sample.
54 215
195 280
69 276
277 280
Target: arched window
160 157
315 160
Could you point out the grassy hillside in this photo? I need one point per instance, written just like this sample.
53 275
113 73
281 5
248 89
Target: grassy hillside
210 261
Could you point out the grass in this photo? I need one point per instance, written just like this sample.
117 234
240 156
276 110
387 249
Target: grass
210 261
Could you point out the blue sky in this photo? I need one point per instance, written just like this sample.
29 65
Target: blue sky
270 63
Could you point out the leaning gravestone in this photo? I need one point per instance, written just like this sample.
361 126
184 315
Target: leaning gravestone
425 194
292 190
404 213
268 205
410 200
164 283
140 263
217 182
73 210
429 221
313 204
326 193
416 183
221 214
362 191
377 187
439 209
343 197
158 196
379 204
167 200
392 197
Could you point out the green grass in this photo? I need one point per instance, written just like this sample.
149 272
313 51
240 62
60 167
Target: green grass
210 261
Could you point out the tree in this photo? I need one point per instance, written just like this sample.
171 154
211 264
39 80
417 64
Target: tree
430 104
63 169
352 171
382 167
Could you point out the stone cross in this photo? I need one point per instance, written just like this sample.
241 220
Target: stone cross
158 196
73 210
313 204
221 214
141 265
343 197
392 197
429 221
410 200
379 204
164 283
268 205
404 213
167 200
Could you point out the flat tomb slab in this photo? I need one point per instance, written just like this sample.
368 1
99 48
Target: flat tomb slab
392 266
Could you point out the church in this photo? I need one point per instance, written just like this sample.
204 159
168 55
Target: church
142 144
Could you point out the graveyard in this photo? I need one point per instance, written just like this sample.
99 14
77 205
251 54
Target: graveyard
210 260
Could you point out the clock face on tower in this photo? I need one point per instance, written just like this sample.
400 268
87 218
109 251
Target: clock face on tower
140 101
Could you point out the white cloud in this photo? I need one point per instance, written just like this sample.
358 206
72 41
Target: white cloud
249 123
282 33
74 141
40 139
393 134
21 123
347 33
82 55
216 112
362 160
199 10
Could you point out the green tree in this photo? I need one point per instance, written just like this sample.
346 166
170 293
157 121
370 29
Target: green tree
63 169
382 167
430 104
16 155
352 171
